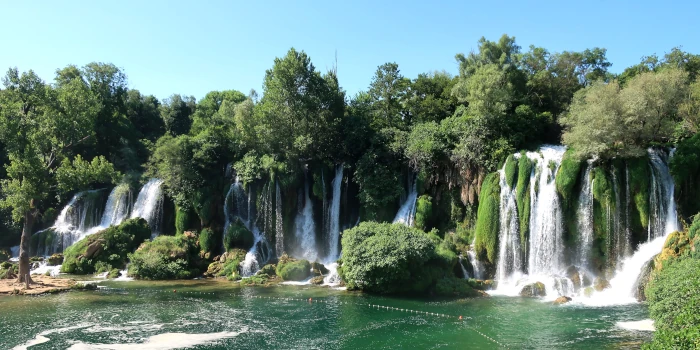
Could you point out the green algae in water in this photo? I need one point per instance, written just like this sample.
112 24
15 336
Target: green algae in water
233 317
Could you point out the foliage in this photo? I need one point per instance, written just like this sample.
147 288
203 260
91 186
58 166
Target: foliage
379 185
106 249
208 240
673 305
238 236
640 187
487 222
568 177
685 168
389 258
511 171
424 212
166 257
522 197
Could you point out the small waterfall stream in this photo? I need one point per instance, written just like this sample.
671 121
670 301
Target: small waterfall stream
305 228
509 253
279 224
584 216
476 264
334 217
407 211
149 205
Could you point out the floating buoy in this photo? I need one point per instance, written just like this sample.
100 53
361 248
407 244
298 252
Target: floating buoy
174 291
460 317
309 299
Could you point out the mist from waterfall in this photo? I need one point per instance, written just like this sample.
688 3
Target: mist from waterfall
305 228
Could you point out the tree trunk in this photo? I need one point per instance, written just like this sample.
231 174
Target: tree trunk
24 248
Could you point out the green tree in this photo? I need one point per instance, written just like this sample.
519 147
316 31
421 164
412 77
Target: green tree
176 113
41 126
388 91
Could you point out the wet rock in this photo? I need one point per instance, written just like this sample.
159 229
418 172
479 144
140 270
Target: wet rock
95 248
536 289
56 259
562 300
600 284
573 274
318 269
318 280
588 292
642 281
267 270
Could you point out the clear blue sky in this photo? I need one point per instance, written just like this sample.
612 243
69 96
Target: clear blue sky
192 47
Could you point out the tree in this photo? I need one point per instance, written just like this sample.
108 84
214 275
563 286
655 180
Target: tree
387 91
176 113
41 125
430 97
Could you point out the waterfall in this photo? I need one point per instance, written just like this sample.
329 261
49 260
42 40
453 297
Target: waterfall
663 221
14 252
663 218
334 216
279 224
464 269
509 252
306 228
546 248
477 268
149 205
407 211
584 215
546 227
117 207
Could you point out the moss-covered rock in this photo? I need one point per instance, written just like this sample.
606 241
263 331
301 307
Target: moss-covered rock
318 269
487 222
562 300
106 249
208 242
511 171
600 284
290 269
55 259
318 280
640 187
536 289
227 264
238 236
603 205
455 287
182 220
685 169
567 178
166 257
522 198
268 270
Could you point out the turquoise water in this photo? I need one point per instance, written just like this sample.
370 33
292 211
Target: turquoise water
216 315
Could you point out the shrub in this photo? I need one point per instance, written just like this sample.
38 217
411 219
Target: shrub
293 270
511 171
453 286
487 221
109 247
166 257
227 264
424 211
238 236
390 258
673 304
182 220
208 241
567 178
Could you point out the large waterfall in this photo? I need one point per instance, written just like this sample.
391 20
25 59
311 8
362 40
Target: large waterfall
305 228
279 224
510 259
334 217
87 213
407 211
547 260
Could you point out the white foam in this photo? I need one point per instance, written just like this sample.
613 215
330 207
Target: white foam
41 337
642 325
165 341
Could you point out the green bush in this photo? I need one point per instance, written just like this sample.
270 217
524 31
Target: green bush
238 236
522 198
208 241
487 221
109 247
511 169
227 264
424 211
293 270
166 257
673 301
603 203
456 287
391 258
182 220
567 178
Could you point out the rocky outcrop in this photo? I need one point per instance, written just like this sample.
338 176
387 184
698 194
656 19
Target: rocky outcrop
536 289
562 300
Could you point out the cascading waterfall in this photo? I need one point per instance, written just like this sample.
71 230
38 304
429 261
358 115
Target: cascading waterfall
465 273
117 207
584 215
663 218
149 205
546 227
306 228
279 225
334 217
477 267
407 211
509 254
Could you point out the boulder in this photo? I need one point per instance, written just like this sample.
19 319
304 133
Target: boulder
318 269
575 277
318 280
56 259
267 270
600 283
94 248
536 289
562 300
642 281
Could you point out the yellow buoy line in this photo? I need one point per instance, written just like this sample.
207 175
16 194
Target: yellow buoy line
310 301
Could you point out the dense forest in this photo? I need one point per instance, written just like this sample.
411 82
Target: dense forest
87 130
